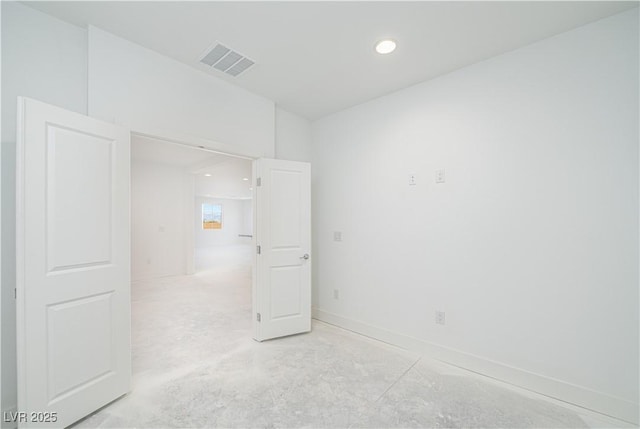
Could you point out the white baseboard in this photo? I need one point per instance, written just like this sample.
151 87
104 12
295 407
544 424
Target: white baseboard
5 412
577 395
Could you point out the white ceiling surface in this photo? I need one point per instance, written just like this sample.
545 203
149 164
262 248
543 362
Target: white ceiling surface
225 173
226 180
316 58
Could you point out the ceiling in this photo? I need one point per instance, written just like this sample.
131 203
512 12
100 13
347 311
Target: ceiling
215 175
316 58
226 180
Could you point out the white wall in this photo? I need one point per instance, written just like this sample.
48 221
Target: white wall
46 59
157 220
43 58
154 94
531 245
293 136
232 223
8 325
247 217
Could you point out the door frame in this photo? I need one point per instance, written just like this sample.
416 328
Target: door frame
222 149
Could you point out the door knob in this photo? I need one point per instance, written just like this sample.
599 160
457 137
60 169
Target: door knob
305 256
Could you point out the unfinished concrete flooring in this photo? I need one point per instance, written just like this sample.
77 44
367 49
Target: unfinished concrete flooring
195 365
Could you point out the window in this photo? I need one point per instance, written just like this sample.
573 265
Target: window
211 216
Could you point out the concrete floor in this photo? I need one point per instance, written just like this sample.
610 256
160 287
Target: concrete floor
195 365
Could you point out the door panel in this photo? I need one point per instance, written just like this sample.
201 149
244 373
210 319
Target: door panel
285 292
80 237
283 278
73 285
73 371
286 194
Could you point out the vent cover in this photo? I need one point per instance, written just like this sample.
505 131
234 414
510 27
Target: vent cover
226 60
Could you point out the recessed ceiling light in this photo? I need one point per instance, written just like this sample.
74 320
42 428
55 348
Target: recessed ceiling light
385 46
245 178
207 175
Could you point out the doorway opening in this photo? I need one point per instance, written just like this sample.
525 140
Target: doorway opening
191 208
191 258
182 324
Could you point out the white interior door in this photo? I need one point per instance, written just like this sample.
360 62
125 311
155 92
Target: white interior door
73 273
282 282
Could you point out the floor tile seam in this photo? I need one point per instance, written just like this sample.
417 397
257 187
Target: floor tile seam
398 379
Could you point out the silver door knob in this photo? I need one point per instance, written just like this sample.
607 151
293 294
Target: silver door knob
305 256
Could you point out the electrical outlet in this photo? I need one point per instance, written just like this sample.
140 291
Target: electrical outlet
440 177
412 179
336 294
440 318
337 236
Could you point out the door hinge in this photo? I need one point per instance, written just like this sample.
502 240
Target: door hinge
15 293
258 317
259 181
258 249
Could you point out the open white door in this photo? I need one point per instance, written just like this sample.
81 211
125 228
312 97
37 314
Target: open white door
73 272
282 282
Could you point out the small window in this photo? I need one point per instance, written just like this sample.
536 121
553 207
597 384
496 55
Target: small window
211 216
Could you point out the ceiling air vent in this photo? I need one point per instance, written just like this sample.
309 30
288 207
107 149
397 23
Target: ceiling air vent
224 59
